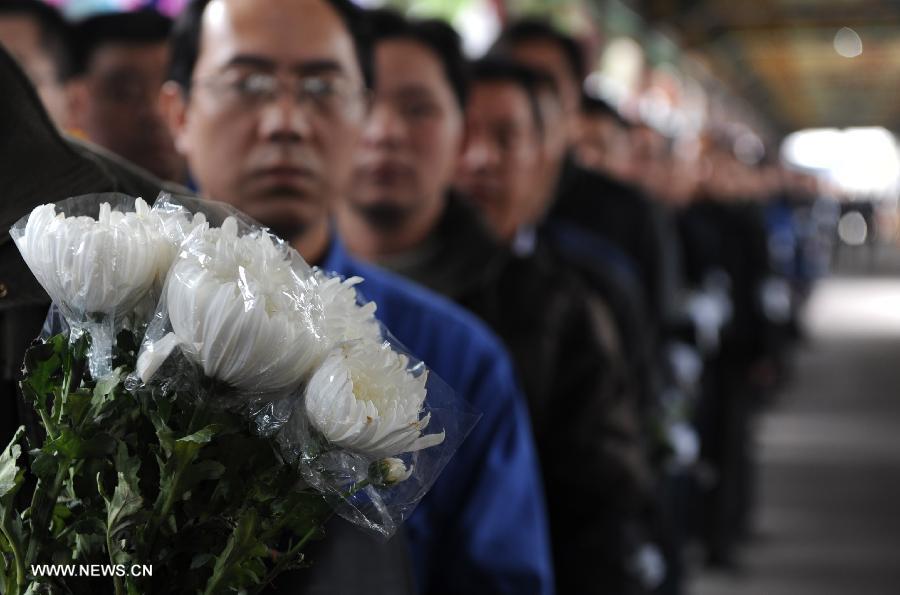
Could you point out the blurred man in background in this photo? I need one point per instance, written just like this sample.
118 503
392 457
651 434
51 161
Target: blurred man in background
591 202
37 37
504 130
603 143
120 62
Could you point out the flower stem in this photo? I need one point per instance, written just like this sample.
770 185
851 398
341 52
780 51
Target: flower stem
287 558
164 505
49 424
42 505
163 508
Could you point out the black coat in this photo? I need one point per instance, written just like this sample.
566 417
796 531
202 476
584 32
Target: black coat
624 217
585 424
731 237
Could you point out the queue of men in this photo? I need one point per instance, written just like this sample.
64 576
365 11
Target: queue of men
616 315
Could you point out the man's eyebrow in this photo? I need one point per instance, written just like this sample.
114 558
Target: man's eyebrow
306 68
412 91
316 67
252 61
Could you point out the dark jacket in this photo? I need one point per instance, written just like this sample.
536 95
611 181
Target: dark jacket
731 238
37 166
584 423
625 218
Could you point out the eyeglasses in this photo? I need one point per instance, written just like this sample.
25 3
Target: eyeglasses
328 96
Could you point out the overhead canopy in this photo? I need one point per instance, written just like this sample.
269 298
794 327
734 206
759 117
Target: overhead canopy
785 56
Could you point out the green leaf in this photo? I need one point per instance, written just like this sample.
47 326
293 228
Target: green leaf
11 527
202 436
42 364
302 511
127 464
13 530
203 471
37 384
243 543
201 560
105 389
76 406
164 433
98 445
44 463
186 449
90 542
122 512
68 444
10 473
73 447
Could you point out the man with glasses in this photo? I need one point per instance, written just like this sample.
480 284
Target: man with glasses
267 103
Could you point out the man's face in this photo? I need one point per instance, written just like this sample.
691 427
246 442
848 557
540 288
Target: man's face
501 155
120 110
275 110
603 145
649 168
548 58
412 139
21 36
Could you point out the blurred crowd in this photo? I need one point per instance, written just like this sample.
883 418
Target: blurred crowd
645 289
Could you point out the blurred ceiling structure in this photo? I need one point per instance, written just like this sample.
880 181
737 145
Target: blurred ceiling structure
782 56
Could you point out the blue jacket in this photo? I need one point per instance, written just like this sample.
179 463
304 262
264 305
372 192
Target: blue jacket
482 528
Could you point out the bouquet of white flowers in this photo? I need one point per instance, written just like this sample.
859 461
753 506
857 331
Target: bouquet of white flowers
211 402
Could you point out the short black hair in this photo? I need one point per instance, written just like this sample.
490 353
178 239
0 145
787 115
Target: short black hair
437 36
532 29
137 28
54 31
591 105
186 39
497 69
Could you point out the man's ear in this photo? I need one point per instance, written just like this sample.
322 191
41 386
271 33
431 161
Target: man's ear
173 107
77 104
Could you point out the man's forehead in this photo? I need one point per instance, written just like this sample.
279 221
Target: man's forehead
499 93
408 64
542 50
285 32
19 30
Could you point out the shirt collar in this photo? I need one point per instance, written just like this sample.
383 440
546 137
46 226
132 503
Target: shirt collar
336 257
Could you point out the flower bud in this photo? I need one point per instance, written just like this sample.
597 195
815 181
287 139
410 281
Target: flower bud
388 472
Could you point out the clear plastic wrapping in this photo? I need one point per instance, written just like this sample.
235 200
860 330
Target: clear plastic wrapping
232 317
101 258
209 400
362 420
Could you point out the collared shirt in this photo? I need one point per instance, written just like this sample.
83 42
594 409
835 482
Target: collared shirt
482 528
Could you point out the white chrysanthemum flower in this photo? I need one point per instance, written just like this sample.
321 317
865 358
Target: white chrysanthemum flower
172 227
87 266
239 309
343 318
363 398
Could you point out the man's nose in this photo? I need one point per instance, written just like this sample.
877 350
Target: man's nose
479 156
285 119
384 127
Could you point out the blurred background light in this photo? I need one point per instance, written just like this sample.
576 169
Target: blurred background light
847 43
864 162
852 229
